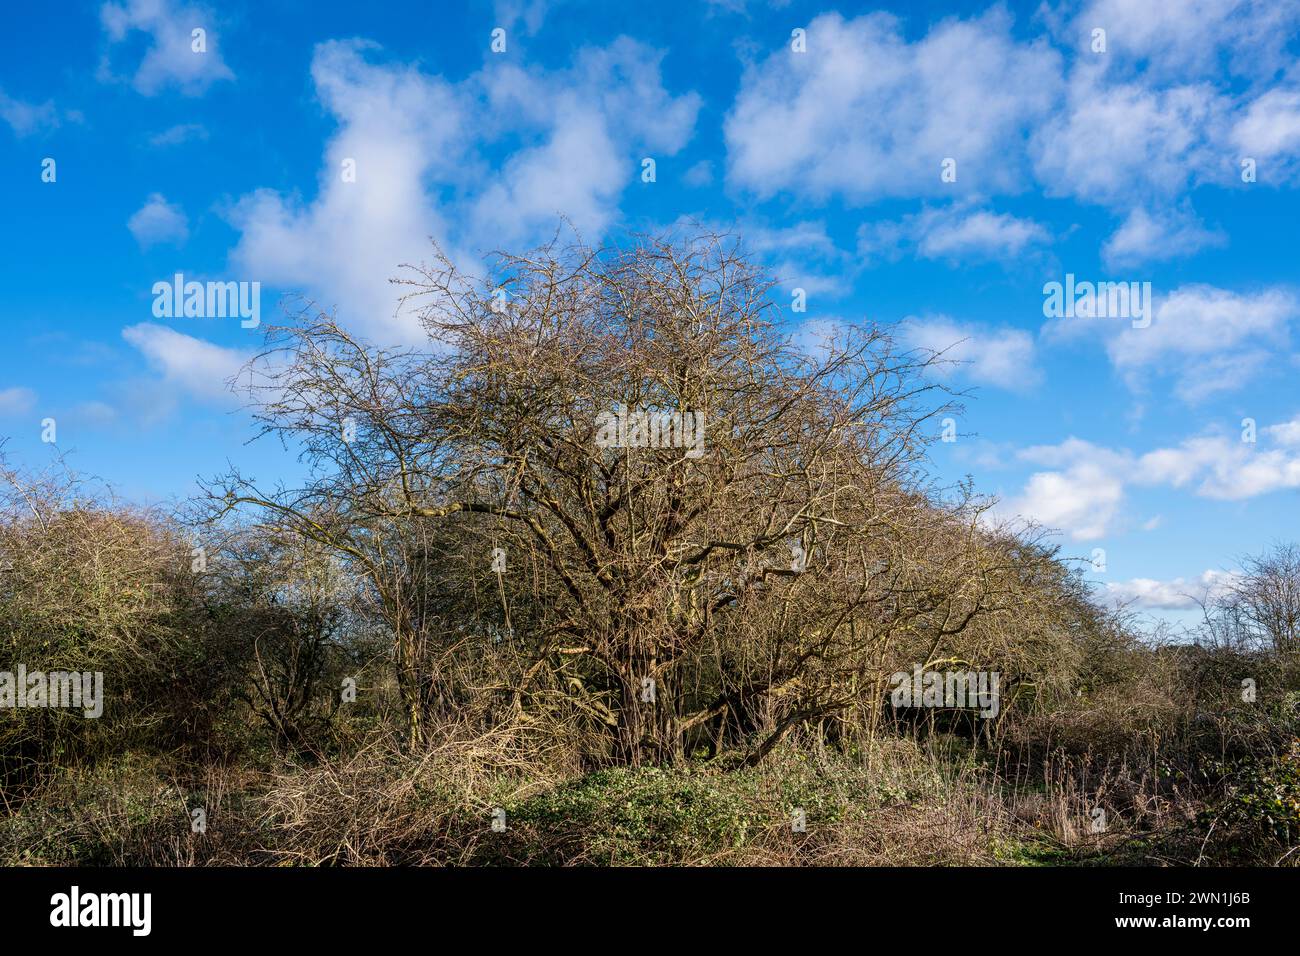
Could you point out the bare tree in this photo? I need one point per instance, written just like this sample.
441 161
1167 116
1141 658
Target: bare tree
1261 605
682 519
289 610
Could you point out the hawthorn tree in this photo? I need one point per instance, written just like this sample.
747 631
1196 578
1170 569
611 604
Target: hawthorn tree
737 555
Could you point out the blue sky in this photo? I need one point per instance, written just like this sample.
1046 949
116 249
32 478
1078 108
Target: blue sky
1164 151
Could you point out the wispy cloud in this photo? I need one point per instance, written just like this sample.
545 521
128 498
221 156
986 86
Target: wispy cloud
1152 237
188 365
176 55
181 133
27 118
959 232
1178 594
16 400
1001 356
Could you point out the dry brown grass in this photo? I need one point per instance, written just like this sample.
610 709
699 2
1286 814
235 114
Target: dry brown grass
383 806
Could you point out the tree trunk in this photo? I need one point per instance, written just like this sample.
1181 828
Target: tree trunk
409 687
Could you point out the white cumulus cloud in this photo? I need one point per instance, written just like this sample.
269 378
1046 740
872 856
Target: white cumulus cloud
159 222
188 365
406 164
865 114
